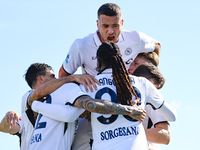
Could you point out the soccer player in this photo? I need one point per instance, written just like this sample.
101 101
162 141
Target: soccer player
119 131
131 43
154 123
143 58
160 131
82 52
52 134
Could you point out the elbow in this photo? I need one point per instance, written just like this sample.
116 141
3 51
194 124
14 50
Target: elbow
168 138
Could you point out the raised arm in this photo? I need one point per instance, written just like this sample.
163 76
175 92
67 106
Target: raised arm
108 107
8 124
50 86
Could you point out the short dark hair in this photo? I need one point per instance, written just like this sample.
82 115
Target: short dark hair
35 70
109 9
150 71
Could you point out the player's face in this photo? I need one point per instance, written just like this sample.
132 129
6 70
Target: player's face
49 76
138 61
109 28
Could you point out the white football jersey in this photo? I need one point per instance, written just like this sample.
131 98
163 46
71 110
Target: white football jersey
82 52
117 132
28 121
52 134
152 118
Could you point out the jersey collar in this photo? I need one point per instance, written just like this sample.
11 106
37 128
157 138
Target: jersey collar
107 71
98 42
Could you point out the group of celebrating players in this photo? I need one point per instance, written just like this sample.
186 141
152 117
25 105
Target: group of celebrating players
115 104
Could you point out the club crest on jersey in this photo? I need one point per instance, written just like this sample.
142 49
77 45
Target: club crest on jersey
67 59
128 51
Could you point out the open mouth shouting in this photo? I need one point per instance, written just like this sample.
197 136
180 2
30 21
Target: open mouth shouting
111 38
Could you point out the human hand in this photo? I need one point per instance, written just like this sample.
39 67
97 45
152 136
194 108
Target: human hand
86 115
135 102
87 81
11 116
137 113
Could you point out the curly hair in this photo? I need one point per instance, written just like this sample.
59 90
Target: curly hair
109 55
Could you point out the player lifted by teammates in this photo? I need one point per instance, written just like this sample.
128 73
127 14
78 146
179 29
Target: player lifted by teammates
82 53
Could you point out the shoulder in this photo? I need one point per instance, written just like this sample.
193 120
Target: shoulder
136 79
68 87
134 34
131 33
87 38
24 100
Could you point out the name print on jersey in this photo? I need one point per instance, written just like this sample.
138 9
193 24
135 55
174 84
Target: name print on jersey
121 131
107 81
36 138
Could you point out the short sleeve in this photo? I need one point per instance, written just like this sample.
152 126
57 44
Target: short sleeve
71 92
154 115
147 43
24 101
153 96
73 59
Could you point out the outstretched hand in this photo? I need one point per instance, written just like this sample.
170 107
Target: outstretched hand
87 81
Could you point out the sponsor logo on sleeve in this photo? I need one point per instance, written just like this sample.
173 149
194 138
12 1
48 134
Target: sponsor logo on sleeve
67 59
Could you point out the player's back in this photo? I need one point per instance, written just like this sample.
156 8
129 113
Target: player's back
114 131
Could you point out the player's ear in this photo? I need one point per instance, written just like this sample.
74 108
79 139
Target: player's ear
40 79
122 22
97 23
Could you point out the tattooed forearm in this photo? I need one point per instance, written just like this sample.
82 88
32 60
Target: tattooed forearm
101 106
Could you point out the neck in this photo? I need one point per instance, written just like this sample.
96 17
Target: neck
100 37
